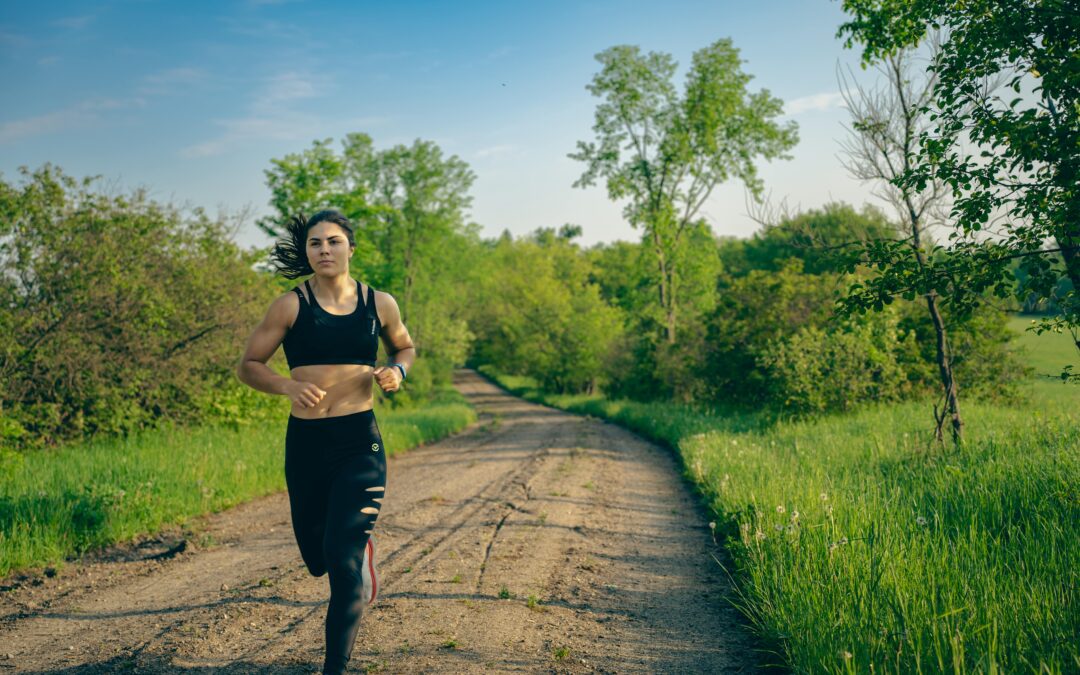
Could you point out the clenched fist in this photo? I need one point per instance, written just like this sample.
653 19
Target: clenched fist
388 378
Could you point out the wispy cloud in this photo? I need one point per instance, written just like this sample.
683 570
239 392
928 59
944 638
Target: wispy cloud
272 115
823 101
74 22
83 114
171 81
7 38
260 3
493 150
500 53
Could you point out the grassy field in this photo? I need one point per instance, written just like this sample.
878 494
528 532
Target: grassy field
858 546
59 503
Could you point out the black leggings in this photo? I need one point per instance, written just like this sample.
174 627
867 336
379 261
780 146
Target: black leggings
335 469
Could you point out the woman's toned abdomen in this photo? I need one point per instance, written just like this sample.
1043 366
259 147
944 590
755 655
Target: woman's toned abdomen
347 387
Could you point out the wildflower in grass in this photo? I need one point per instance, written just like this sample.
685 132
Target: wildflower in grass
759 535
832 546
847 655
824 497
791 528
780 508
795 514
920 521
843 541
712 525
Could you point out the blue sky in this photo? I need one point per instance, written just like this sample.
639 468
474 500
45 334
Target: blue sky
192 100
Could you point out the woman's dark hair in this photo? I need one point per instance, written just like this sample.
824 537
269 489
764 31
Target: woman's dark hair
289 255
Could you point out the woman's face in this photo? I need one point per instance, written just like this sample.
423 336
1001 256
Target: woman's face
328 249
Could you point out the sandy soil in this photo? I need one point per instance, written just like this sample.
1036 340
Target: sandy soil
590 521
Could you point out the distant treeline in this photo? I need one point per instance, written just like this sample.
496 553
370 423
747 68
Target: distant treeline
758 316
118 312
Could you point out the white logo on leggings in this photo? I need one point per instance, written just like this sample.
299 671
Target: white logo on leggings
374 447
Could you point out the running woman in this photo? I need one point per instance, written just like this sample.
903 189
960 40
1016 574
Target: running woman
335 460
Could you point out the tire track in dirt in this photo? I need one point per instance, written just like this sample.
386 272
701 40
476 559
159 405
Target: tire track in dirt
535 541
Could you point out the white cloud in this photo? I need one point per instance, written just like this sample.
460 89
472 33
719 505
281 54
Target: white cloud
272 116
171 81
495 150
823 101
83 114
74 22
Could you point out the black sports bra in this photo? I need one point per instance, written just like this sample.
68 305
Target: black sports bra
319 337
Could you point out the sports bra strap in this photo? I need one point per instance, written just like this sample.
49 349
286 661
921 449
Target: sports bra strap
370 299
300 293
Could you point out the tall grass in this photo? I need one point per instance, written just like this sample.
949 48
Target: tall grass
859 546
59 503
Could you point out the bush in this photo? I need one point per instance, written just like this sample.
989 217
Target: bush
116 312
818 371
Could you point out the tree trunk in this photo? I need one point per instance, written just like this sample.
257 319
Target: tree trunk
948 381
944 357
667 301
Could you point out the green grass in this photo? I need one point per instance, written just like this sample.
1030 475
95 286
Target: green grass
858 546
59 503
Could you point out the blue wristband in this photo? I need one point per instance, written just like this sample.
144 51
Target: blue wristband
401 368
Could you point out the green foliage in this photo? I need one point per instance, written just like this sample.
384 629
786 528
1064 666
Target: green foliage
1010 149
814 236
754 310
665 153
816 370
856 551
414 243
551 323
117 312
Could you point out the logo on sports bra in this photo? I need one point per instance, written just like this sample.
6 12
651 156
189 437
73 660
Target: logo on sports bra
374 447
373 326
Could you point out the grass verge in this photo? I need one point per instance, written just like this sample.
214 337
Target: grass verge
860 547
59 503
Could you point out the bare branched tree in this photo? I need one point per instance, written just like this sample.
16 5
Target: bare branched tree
883 142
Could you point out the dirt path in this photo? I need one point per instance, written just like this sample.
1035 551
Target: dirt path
586 517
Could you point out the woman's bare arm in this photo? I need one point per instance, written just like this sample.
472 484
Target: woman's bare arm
396 340
261 345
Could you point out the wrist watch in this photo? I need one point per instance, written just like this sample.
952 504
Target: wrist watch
401 368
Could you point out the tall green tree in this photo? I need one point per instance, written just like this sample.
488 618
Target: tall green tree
424 198
415 240
665 153
1012 149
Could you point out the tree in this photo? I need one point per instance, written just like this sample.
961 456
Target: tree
1019 158
666 153
414 240
425 197
886 124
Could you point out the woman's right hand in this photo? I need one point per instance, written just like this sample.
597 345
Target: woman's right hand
305 394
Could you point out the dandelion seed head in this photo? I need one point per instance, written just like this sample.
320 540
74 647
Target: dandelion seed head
712 525
843 541
780 508
779 527
920 521
824 497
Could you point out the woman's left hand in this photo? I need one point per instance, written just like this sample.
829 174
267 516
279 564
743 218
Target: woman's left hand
388 378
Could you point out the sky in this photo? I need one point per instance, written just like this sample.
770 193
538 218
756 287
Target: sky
193 100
